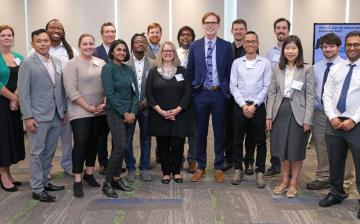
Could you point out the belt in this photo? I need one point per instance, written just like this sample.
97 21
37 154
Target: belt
249 103
212 88
344 118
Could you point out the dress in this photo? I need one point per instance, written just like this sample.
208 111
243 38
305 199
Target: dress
12 148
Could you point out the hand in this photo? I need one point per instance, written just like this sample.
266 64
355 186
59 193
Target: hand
307 127
348 124
31 125
99 108
90 109
129 117
269 124
14 105
175 111
247 111
336 123
65 119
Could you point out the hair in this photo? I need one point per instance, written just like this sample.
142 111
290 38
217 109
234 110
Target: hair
134 37
330 38
352 34
85 35
253 33
176 61
112 47
282 20
185 28
239 21
154 25
299 61
106 24
206 15
37 32
67 46
7 27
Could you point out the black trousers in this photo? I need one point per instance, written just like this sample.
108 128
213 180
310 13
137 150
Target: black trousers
86 138
102 146
171 151
338 144
254 129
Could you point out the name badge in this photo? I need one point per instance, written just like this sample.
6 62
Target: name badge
276 58
250 64
133 87
17 61
179 77
297 85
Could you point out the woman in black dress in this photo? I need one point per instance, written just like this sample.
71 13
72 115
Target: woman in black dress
12 148
168 93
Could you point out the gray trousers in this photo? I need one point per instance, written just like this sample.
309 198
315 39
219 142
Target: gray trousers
42 149
66 147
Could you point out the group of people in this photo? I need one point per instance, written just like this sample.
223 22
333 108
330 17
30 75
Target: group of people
171 92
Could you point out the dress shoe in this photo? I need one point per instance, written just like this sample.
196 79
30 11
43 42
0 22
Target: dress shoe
102 170
120 185
317 185
329 200
237 177
219 176
249 169
191 167
90 179
52 187
198 175
108 190
17 183
271 173
227 166
78 190
11 189
43 197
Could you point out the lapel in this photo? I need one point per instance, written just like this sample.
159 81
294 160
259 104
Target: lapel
38 61
218 56
145 71
103 53
281 80
202 54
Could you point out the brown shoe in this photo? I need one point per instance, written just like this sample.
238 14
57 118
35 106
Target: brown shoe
191 167
219 176
198 175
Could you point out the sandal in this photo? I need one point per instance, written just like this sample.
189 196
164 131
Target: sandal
280 189
292 193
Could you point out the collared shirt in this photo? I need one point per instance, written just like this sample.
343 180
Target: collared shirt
47 62
215 80
139 69
155 48
238 51
106 48
319 69
289 76
273 55
60 53
333 87
250 80
183 56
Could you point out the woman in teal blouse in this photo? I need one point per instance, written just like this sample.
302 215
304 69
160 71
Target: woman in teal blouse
120 88
12 148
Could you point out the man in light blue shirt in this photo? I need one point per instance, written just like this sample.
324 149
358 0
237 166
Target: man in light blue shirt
249 84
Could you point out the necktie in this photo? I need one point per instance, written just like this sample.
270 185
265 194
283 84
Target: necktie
341 105
208 80
326 73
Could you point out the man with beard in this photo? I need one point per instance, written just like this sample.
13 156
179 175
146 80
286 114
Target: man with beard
154 32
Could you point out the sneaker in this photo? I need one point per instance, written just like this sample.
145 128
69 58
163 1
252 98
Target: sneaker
271 173
237 177
145 175
318 184
78 190
260 182
90 179
130 176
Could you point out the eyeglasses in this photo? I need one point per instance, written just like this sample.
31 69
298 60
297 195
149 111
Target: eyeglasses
251 42
168 51
210 23
355 45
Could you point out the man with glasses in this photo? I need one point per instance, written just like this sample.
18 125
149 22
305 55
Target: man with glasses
209 66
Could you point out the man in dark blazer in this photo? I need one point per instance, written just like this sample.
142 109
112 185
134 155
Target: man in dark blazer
108 34
209 66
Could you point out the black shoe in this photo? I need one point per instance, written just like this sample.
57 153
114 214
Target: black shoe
157 160
120 184
329 200
270 173
108 190
11 189
43 197
227 165
52 187
317 185
78 190
179 180
17 183
91 180
249 169
102 170
358 214
165 181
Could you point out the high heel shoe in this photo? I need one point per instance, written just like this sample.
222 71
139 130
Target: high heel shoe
11 189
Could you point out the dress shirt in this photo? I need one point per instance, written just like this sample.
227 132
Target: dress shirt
333 87
106 49
155 48
139 69
319 69
274 55
48 65
215 80
238 51
250 80
289 76
183 56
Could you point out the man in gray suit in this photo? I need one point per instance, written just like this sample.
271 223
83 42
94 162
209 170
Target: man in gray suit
141 65
43 107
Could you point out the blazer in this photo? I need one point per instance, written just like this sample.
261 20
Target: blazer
39 97
148 64
100 52
302 101
197 67
149 53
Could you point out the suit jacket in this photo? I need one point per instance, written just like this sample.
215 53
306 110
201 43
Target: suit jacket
100 52
149 53
197 68
39 97
302 101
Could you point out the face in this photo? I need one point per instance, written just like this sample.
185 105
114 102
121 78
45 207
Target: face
154 35
108 34
119 52
353 48
41 43
251 43
238 31
6 38
291 51
87 46
330 50
185 38
211 26
139 44
281 30
55 31
167 53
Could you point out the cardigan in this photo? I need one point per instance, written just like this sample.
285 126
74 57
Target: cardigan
4 69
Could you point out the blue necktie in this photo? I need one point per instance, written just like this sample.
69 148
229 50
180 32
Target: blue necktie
208 78
341 105
326 73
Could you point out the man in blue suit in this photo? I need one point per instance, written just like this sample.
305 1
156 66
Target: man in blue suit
209 67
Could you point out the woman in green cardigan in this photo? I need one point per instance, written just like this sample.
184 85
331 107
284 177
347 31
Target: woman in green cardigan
12 149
